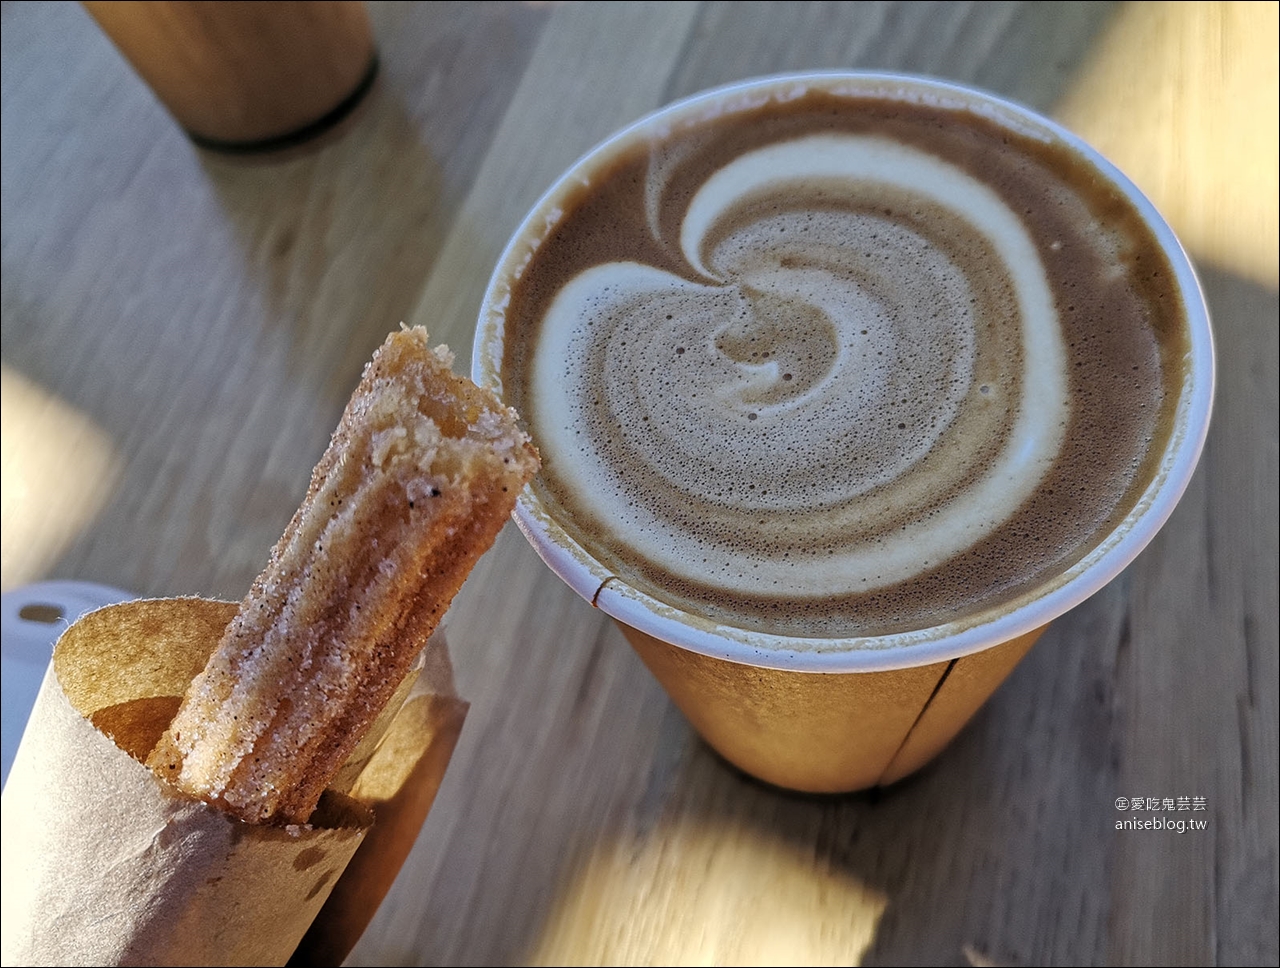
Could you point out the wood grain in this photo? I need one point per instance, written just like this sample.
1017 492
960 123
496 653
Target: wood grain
180 333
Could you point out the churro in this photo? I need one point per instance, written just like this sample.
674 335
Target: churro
418 479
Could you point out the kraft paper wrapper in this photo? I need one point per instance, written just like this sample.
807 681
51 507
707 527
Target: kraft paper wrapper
105 864
828 732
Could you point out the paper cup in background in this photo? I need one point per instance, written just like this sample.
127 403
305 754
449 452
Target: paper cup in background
32 617
824 715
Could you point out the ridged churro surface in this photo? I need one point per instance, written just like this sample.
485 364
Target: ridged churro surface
418 479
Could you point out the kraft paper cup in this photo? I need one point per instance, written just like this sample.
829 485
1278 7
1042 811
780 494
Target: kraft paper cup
823 715
248 78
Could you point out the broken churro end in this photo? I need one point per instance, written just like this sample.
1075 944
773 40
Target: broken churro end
418 479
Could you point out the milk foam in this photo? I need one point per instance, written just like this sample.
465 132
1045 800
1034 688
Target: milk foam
861 375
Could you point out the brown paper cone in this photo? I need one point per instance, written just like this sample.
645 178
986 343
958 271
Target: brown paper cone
104 864
399 784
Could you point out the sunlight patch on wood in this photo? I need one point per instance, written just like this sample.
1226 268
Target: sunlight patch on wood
1185 99
710 895
57 471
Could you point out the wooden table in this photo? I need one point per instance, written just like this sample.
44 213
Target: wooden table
180 333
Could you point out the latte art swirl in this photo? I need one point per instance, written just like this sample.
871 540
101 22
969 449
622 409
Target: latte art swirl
833 364
859 375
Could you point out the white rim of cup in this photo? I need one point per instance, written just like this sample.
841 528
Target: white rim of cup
900 650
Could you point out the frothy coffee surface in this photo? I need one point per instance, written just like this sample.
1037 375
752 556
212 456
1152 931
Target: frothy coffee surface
838 366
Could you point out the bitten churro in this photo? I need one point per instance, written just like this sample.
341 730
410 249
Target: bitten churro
418 479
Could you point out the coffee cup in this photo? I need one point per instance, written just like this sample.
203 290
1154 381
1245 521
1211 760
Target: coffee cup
247 78
846 386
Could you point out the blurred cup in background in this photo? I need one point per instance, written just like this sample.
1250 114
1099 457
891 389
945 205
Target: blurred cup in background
247 77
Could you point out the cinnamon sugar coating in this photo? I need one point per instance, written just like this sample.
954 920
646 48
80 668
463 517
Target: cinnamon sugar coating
417 480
